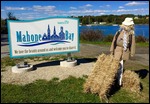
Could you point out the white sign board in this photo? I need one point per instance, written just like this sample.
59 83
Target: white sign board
43 37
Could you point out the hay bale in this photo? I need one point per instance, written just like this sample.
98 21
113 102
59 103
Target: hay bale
131 81
102 76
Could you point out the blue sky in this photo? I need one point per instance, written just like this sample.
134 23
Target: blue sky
26 10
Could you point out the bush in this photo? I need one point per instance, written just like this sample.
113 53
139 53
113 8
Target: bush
91 35
140 38
108 38
4 30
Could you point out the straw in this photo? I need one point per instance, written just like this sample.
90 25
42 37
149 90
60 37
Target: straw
131 81
102 76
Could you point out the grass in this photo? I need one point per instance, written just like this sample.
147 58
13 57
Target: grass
42 91
7 61
122 96
69 90
143 44
103 43
96 42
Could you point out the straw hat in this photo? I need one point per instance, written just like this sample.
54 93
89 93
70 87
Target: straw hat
128 21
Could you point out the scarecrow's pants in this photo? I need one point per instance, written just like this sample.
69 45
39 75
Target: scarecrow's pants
120 72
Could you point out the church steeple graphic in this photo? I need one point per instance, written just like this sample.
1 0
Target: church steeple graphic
53 36
54 31
48 32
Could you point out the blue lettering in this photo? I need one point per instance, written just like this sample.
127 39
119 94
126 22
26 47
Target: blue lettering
66 35
28 36
36 37
24 38
32 37
18 33
72 36
69 36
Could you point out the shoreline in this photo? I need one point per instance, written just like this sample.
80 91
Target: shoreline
109 24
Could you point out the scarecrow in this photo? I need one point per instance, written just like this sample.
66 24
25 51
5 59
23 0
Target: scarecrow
123 45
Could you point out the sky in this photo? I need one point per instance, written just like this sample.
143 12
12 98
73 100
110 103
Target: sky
29 10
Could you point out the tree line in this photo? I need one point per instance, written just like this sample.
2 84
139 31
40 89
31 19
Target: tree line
113 19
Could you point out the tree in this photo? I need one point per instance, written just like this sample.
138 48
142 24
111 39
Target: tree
3 26
11 16
85 21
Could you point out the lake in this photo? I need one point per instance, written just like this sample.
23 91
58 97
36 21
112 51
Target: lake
139 29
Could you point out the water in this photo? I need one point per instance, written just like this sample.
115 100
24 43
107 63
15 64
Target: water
107 30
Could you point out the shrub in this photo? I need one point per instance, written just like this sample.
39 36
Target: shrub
4 30
140 38
91 35
108 38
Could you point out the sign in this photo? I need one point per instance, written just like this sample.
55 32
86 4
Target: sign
43 37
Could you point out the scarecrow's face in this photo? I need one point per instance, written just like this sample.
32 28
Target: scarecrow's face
127 28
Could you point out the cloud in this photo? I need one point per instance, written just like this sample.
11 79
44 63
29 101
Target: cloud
101 6
120 7
107 5
102 13
2 10
88 5
38 11
136 3
123 10
43 8
133 11
73 8
30 13
17 8
87 12
104 6
56 12
75 11
30 17
34 8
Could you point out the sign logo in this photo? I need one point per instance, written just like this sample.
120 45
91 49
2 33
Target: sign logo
28 39
43 36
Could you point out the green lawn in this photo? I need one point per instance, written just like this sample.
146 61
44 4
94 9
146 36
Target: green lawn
102 43
69 90
41 91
